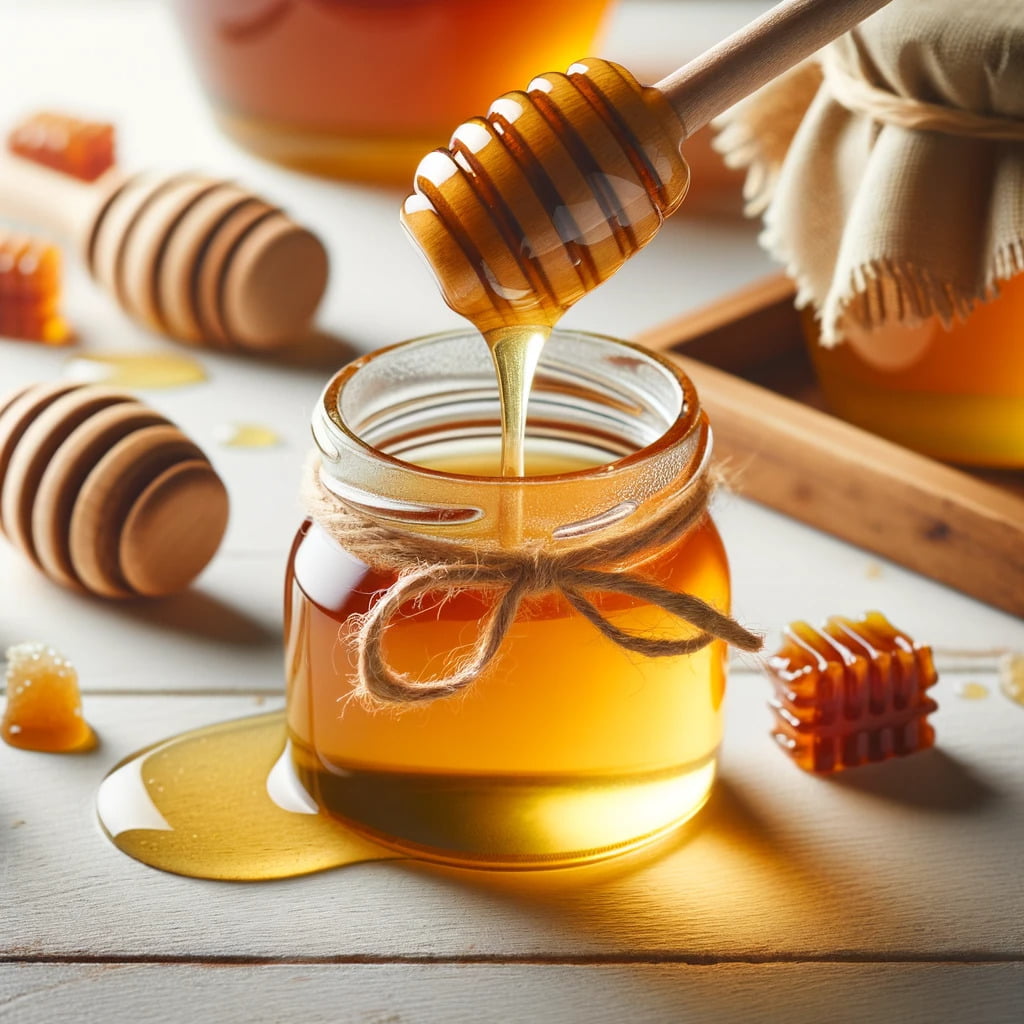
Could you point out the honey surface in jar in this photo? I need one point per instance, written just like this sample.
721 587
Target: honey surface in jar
83 149
851 692
30 290
568 748
44 708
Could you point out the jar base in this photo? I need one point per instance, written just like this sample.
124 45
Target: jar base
512 822
377 160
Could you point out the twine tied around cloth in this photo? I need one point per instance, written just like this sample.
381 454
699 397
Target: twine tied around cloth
860 96
423 565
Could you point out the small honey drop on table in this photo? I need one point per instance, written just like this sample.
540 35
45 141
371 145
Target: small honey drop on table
44 708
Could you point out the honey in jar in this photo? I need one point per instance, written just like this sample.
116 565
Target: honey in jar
955 394
567 747
362 90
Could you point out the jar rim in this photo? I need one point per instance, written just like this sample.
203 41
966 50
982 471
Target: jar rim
594 396
686 422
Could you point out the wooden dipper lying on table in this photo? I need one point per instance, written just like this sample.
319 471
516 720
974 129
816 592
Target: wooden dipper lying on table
103 494
196 258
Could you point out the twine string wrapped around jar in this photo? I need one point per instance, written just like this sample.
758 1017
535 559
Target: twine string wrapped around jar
423 565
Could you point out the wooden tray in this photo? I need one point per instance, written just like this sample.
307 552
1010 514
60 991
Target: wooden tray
780 447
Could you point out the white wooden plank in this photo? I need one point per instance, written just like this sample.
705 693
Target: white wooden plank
916 858
484 994
223 634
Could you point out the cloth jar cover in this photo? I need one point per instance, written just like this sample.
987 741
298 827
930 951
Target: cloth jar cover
890 167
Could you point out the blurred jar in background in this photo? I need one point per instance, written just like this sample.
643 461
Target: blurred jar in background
361 89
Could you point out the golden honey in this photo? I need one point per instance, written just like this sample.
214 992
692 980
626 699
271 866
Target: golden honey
955 394
44 708
144 370
362 90
221 802
568 747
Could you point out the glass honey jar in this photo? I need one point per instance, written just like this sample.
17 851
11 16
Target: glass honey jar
567 746
361 89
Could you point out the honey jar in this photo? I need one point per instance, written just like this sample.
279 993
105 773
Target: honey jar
542 706
361 90
888 171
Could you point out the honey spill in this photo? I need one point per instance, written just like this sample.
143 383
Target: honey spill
972 691
44 707
482 780
221 802
144 371
1011 677
247 435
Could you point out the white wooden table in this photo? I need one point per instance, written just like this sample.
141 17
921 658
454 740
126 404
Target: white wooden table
893 893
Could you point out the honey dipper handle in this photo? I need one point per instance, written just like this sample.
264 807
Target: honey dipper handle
751 57
36 197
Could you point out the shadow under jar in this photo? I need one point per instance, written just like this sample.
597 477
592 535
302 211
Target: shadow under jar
568 747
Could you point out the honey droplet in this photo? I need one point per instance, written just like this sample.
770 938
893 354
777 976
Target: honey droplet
135 369
247 435
222 802
972 691
44 707
1011 677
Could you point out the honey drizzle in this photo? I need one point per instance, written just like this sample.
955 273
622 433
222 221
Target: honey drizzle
199 804
533 206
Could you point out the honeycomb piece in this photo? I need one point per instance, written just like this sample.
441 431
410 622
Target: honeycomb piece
30 290
850 693
44 708
83 149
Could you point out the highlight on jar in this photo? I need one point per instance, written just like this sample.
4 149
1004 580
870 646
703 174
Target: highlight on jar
905 240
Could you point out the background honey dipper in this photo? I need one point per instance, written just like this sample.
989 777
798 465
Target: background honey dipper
194 257
547 196
103 494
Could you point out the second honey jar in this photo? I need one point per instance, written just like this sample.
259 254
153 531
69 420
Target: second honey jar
573 741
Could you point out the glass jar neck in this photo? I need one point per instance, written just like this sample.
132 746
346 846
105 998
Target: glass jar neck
630 415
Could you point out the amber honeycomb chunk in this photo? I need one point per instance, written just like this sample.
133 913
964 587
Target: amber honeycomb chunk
83 149
30 290
44 708
851 692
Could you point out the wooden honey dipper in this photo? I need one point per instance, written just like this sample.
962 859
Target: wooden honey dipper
105 495
547 196
194 257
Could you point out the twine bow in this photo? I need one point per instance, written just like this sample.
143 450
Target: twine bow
424 566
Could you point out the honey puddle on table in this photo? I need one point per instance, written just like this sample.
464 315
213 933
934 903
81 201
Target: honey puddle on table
972 691
222 802
247 435
147 370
